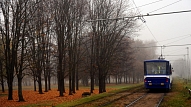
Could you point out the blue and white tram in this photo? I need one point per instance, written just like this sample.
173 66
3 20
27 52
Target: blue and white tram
157 74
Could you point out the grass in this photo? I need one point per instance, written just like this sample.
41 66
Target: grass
178 96
119 88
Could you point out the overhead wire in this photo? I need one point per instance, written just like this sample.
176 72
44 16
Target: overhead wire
165 6
188 35
146 24
178 40
173 51
163 46
175 37
152 34
154 11
165 13
146 4
141 16
174 55
158 14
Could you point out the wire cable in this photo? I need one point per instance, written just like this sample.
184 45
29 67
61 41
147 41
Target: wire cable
166 6
167 13
176 45
163 46
146 24
175 37
174 51
152 34
178 40
176 55
188 35
141 16
146 4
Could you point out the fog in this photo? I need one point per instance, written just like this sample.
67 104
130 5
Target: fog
171 31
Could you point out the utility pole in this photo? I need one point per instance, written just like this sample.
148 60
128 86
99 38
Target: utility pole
188 63
185 66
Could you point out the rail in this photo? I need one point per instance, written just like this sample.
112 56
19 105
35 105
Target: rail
136 100
160 100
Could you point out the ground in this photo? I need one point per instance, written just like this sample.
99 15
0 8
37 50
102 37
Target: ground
51 97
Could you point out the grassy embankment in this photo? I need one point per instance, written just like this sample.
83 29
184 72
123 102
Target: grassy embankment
179 95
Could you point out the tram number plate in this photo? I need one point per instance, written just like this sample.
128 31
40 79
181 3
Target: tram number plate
162 83
150 83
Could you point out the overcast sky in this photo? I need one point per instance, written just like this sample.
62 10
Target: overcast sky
173 29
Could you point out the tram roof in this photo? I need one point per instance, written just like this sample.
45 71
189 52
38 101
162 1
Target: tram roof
156 60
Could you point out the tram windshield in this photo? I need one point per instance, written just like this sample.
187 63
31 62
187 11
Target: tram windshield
155 68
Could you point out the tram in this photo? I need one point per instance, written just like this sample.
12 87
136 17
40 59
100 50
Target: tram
157 74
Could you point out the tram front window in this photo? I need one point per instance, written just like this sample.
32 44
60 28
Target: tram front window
156 67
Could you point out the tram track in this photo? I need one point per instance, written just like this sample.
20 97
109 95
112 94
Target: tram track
127 98
160 101
148 100
121 96
131 98
101 102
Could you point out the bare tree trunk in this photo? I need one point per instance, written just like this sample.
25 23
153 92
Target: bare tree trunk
20 95
60 77
2 79
73 79
49 81
116 79
77 80
40 84
34 81
10 89
46 82
92 79
9 53
70 62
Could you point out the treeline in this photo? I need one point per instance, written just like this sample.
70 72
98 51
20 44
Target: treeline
42 39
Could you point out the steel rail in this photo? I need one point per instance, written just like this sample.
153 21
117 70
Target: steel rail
160 101
136 100
105 104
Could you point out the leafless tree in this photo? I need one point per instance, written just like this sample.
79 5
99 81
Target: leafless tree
6 38
16 16
2 60
68 17
123 63
149 51
2 71
60 14
37 34
107 34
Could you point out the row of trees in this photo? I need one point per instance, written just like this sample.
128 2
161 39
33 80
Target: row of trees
44 38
